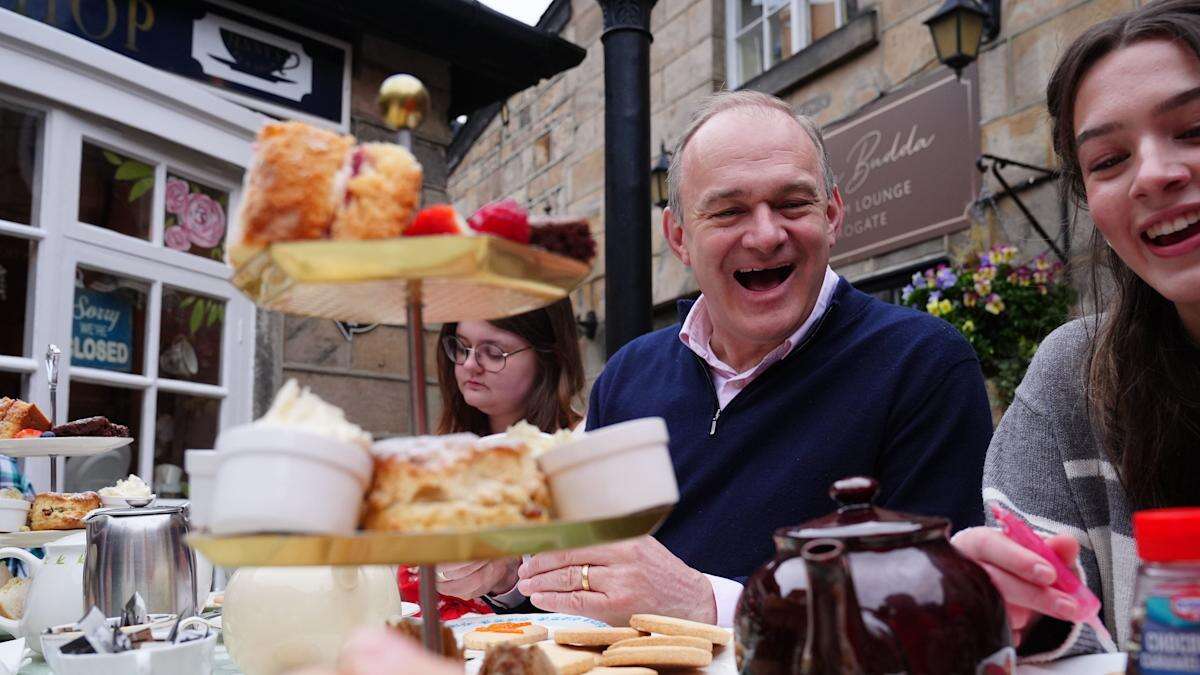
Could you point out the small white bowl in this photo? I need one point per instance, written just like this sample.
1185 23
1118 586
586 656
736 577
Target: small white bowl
276 479
123 502
13 514
614 471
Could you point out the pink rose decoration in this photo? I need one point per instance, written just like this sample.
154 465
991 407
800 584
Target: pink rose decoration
177 195
203 220
176 237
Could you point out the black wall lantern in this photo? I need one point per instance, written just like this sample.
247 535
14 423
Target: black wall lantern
959 27
660 190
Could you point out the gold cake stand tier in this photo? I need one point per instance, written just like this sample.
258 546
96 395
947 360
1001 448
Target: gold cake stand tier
389 548
458 278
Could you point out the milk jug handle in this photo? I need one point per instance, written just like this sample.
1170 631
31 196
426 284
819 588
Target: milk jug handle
33 565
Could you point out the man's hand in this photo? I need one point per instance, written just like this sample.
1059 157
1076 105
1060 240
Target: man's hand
1022 576
626 578
473 579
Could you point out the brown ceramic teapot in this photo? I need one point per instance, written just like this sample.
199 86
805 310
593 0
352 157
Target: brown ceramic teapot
870 591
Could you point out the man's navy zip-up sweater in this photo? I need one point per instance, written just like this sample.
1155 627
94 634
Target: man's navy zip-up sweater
873 389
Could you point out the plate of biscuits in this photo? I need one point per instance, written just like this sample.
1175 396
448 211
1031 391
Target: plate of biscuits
51 516
562 643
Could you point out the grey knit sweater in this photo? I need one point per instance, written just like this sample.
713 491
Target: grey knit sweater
1045 464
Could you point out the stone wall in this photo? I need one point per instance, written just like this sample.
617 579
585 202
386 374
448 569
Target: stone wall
550 153
368 374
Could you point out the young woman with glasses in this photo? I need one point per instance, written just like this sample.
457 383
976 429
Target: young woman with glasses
493 374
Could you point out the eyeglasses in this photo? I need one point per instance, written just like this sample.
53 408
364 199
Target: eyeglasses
490 357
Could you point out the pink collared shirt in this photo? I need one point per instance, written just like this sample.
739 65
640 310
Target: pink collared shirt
696 335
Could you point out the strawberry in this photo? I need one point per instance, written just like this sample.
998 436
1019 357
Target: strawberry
503 219
436 219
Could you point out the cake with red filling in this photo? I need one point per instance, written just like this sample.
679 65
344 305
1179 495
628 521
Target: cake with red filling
377 191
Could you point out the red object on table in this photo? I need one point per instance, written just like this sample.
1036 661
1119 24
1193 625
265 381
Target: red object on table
448 607
1167 535
505 219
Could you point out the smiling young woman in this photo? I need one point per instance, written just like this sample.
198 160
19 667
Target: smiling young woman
1107 419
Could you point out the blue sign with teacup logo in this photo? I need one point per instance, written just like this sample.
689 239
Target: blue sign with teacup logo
102 331
251 60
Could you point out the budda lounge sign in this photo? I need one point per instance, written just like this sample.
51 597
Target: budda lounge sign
906 166
257 62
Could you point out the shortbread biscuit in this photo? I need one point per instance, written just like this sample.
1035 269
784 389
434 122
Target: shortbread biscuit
666 657
664 641
511 634
666 625
593 637
567 661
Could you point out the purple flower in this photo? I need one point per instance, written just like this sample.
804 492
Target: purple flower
985 260
906 293
917 279
935 296
177 195
177 238
946 278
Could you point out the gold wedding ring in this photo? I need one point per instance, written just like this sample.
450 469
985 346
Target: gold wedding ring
583 574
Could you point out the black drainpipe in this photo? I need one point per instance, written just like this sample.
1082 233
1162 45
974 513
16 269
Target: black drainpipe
627 296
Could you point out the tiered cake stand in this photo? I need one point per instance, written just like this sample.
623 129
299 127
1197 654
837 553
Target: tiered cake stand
408 282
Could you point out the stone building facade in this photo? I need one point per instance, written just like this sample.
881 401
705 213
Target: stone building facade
548 150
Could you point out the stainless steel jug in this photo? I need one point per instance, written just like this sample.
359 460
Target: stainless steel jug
139 550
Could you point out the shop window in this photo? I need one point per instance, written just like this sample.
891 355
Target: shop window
195 218
15 261
189 344
767 32
116 192
119 405
108 326
19 132
184 423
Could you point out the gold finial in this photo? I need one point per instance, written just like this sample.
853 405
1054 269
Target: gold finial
404 101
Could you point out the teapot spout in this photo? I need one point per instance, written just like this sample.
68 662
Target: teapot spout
839 641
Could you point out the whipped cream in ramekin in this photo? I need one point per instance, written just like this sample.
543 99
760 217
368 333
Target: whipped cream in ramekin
298 408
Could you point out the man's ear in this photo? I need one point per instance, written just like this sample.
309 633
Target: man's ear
673 233
835 213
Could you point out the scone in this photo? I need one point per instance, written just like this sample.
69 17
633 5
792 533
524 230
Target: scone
12 598
16 415
376 192
455 482
289 188
59 511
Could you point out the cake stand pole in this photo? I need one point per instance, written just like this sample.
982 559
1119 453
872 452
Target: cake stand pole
52 355
431 625
404 103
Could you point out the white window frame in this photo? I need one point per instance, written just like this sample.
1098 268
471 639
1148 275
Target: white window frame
83 91
800 25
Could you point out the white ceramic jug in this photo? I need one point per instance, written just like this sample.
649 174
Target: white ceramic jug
55 591
280 618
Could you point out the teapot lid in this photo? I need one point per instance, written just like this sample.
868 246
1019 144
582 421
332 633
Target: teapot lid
120 511
859 524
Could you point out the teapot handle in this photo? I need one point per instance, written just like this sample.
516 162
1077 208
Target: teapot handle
34 565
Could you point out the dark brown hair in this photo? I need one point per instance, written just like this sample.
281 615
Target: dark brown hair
556 388
1143 372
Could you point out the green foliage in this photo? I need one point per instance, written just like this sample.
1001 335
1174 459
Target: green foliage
1003 309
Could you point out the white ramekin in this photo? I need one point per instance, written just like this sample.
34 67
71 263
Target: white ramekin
13 514
201 467
276 479
613 471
